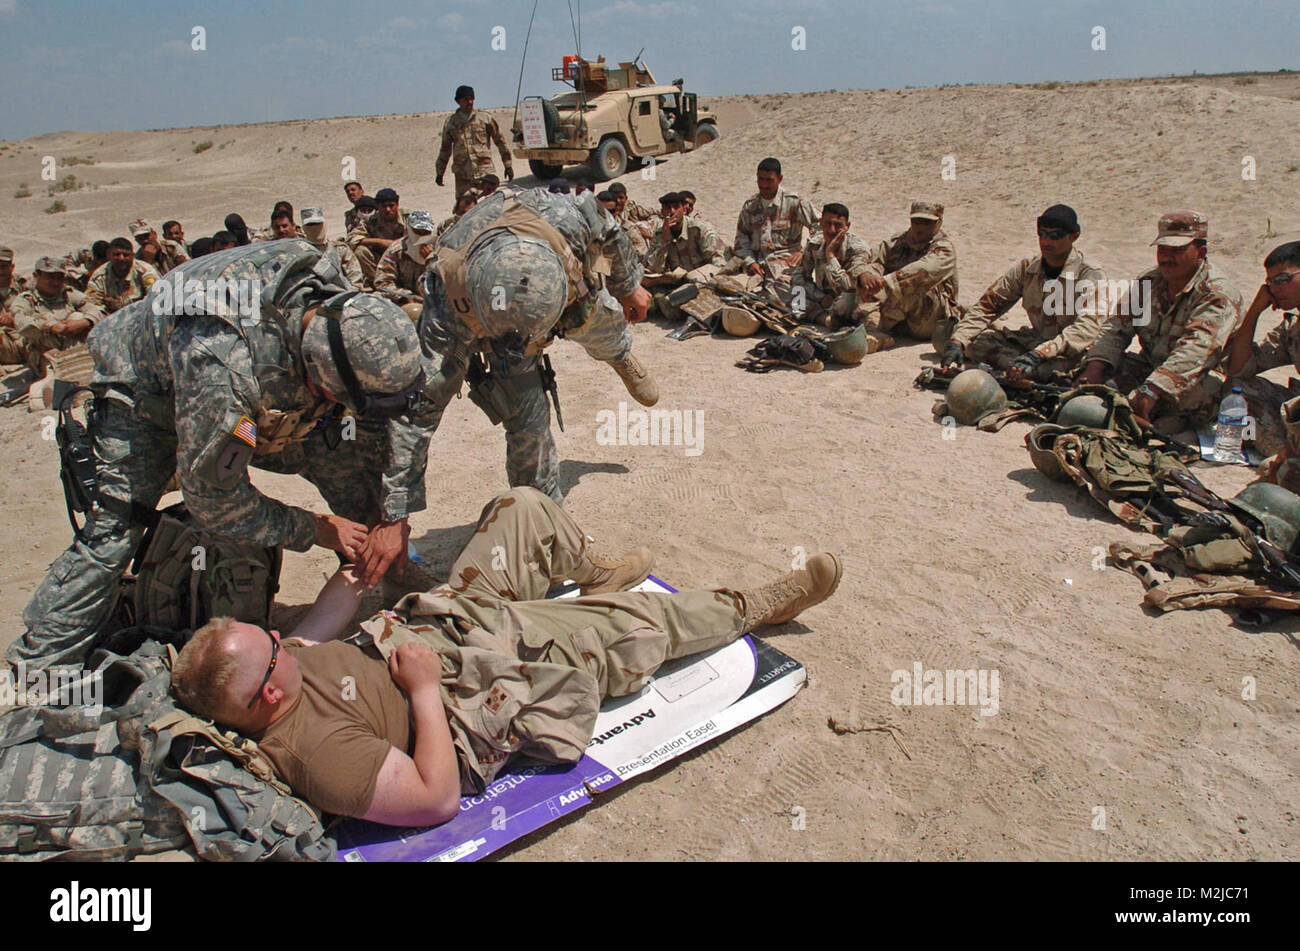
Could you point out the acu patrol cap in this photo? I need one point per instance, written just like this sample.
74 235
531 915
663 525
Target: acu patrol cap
1179 228
365 351
49 265
931 210
313 216
420 221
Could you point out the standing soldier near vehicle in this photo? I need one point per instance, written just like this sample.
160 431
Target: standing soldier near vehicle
467 138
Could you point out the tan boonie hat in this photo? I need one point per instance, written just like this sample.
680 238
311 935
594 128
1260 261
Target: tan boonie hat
313 216
1181 227
48 265
6 254
927 209
139 227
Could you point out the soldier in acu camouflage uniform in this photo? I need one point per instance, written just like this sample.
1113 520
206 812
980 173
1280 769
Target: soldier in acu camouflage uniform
684 249
1058 280
467 138
50 316
1247 360
769 229
160 252
370 239
122 280
400 273
336 249
260 376
515 270
1190 314
911 279
825 286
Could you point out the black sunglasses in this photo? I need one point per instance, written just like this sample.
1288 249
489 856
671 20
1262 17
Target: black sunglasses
1053 234
275 658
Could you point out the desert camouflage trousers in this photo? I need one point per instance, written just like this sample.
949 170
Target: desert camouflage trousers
999 347
14 350
368 258
1198 407
531 455
524 542
921 316
135 459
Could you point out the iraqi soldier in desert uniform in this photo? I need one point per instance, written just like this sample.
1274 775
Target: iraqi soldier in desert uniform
352 217
467 138
122 280
151 249
370 239
513 273
683 249
1280 347
1187 314
770 230
51 316
910 284
1064 296
400 273
336 249
825 285
262 377
13 350
637 220
464 203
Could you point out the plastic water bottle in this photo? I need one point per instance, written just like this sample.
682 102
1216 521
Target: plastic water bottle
1228 430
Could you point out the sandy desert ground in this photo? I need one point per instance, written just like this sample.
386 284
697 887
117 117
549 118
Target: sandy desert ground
958 553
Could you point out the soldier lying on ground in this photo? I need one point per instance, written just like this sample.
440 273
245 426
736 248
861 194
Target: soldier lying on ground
477 671
1247 360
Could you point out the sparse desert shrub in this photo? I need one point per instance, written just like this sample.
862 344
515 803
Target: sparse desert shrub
203 146
23 191
56 206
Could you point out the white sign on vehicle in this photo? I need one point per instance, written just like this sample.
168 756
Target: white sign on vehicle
533 121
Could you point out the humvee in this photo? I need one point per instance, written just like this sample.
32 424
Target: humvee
613 117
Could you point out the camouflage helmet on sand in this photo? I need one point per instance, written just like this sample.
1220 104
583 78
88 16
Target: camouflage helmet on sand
847 346
972 395
1276 509
739 322
1086 409
1039 441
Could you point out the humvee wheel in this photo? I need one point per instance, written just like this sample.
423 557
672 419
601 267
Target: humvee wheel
544 170
609 161
705 134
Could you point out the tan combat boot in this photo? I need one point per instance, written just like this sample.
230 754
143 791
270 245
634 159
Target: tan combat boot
783 599
637 379
600 574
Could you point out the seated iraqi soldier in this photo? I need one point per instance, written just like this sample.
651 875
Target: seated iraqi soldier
377 231
399 275
487 185
440 715
223 241
51 316
282 225
635 219
1064 296
683 249
910 283
12 348
769 230
151 249
825 286
352 217
1247 360
1183 313
173 232
123 280
336 249
464 203
206 396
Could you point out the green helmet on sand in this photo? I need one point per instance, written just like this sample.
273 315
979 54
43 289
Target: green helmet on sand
1277 510
972 395
847 346
1039 442
1084 410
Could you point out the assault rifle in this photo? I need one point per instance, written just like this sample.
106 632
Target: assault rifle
1276 563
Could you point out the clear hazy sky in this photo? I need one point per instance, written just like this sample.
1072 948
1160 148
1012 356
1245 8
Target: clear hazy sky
128 64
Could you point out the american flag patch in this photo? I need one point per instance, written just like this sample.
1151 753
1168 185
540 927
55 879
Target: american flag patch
246 430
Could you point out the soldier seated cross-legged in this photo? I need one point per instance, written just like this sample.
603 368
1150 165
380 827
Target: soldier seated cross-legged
440 714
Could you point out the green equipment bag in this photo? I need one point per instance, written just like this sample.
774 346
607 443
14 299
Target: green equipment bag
102 764
184 576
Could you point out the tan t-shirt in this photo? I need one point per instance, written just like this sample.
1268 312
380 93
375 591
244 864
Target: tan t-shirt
331 744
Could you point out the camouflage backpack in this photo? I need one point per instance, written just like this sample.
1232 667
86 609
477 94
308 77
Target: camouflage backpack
184 577
102 764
